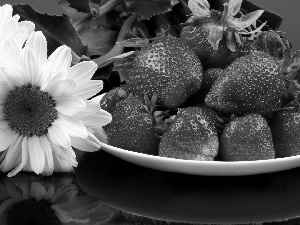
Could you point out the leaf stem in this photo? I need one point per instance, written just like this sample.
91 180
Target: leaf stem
117 49
107 7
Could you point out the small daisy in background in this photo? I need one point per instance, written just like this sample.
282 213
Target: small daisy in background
44 110
49 200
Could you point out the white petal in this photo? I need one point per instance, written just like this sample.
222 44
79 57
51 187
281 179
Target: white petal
82 71
74 127
29 65
3 124
7 28
100 134
10 54
4 90
6 135
12 77
38 43
64 158
62 87
16 17
6 13
48 77
12 153
20 36
30 26
45 71
24 160
89 144
91 108
36 154
100 119
61 59
58 135
49 164
70 105
88 89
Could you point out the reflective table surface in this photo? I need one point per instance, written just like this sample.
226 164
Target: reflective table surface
108 190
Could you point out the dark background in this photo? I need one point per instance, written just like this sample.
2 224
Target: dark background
288 9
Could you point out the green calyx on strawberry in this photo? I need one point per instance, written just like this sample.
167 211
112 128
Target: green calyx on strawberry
271 42
247 138
251 84
132 126
215 35
191 135
167 67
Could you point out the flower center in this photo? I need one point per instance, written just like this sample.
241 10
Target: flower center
29 111
32 212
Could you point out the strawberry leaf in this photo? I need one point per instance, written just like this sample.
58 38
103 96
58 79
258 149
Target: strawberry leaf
200 8
245 20
215 36
145 9
81 5
234 7
58 30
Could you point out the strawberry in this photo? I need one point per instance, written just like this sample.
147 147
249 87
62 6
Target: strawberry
191 135
209 77
251 84
132 126
285 127
247 138
169 68
110 99
216 36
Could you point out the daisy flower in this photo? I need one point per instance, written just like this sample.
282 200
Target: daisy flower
10 27
44 109
50 200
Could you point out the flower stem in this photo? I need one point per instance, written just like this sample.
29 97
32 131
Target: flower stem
117 49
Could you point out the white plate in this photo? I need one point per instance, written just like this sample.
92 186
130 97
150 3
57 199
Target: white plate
208 168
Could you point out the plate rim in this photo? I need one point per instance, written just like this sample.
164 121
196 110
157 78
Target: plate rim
255 166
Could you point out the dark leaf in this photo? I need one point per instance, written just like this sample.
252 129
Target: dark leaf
97 35
145 9
58 30
81 5
98 40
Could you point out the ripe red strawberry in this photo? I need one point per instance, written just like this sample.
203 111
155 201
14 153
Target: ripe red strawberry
247 138
132 126
191 135
251 84
169 68
216 36
110 100
209 77
285 127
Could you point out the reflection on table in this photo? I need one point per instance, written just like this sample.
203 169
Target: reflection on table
178 198
107 190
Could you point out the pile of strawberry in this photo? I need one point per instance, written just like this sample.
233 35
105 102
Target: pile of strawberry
224 90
